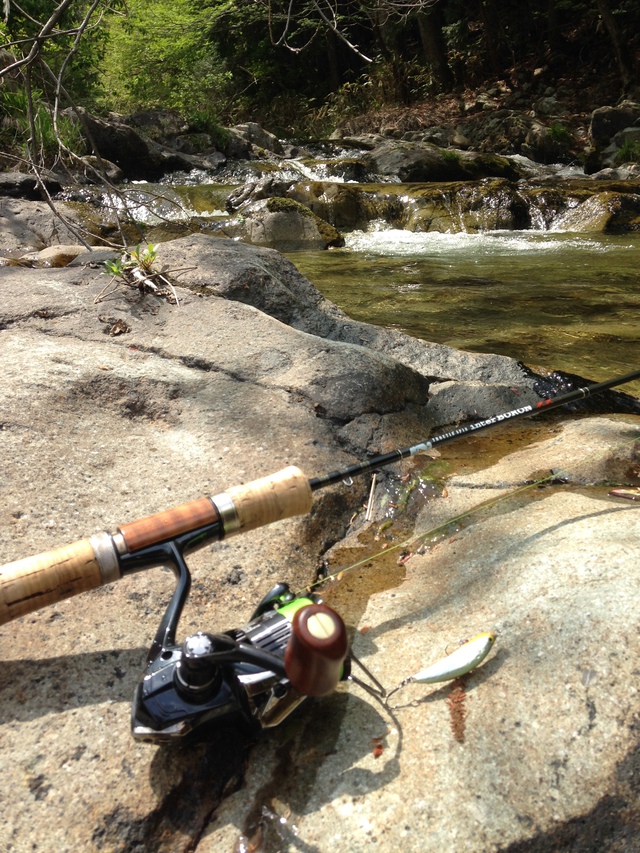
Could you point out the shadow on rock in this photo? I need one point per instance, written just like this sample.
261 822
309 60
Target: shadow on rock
31 689
304 746
189 780
611 826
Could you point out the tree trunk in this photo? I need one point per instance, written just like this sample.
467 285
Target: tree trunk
333 62
434 46
619 47
492 33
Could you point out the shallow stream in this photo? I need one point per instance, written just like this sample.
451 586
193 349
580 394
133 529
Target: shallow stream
557 300
567 298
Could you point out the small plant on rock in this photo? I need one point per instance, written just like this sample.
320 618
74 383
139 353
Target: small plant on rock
560 133
629 152
135 269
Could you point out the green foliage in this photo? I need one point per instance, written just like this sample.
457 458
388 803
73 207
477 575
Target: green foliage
277 62
560 133
80 61
629 152
142 258
451 157
351 99
385 82
158 57
16 129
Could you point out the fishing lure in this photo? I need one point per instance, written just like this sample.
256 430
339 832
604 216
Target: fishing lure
458 663
631 494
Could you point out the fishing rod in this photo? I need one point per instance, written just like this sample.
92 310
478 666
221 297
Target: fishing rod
546 405
34 582
293 646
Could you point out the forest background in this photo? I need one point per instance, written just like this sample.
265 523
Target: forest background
302 67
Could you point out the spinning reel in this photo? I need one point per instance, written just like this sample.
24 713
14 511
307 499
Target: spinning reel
291 648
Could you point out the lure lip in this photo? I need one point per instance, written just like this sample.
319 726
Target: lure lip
463 660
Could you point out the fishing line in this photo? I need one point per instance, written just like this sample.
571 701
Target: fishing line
484 505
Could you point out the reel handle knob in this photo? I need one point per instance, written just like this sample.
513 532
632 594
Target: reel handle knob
316 650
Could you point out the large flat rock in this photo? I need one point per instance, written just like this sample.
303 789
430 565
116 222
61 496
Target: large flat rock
117 409
550 753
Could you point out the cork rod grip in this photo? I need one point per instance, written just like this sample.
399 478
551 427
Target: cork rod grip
47 578
165 525
270 499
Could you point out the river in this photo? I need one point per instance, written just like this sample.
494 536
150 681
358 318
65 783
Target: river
564 298
558 300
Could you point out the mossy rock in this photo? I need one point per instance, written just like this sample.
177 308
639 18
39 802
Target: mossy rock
283 224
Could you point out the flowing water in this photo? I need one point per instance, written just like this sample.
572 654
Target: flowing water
556 300
566 298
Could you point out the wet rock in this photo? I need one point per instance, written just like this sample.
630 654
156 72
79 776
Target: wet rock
344 207
283 224
411 162
554 383
629 172
268 186
605 212
550 573
477 206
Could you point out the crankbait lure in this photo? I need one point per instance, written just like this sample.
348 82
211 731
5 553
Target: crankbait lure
632 494
460 662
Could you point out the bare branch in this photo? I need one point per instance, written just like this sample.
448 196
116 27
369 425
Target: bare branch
45 32
334 28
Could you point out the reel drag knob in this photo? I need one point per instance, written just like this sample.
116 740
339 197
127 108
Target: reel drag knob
316 650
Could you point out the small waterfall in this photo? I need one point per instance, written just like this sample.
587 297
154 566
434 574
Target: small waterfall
587 216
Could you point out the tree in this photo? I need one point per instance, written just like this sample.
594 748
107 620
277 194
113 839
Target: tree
622 54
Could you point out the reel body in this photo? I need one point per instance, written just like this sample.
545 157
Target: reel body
239 675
